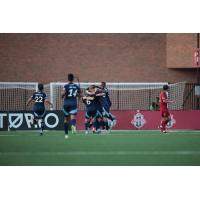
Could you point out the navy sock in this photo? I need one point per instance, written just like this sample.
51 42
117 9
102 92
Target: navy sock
96 125
102 124
42 125
66 127
90 125
106 125
87 124
73 122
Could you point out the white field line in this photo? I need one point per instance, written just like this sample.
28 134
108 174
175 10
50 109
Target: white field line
101 153
105 134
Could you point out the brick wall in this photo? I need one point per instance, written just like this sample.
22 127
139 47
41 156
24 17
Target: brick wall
180 50
93 57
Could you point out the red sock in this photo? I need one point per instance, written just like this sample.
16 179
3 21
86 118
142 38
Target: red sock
163 125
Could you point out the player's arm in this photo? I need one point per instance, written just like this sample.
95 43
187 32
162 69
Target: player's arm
88 98
92 94
49 103
29 101
100 94
63 93
88 92
80 94
85 98
166 100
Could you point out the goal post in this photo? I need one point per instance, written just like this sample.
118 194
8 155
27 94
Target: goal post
13 95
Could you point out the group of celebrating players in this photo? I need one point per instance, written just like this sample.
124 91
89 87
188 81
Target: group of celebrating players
96 99
98 117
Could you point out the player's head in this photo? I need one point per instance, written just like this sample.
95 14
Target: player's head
92 88
103 84
70 77
165 87
40 86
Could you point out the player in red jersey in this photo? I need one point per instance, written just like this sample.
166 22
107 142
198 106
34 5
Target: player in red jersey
164 108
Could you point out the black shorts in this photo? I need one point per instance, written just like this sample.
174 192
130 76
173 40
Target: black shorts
39 112
91 114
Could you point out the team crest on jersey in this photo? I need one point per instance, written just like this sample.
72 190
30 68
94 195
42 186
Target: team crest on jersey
138 120
172 122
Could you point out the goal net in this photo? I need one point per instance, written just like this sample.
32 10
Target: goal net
126 96
13 95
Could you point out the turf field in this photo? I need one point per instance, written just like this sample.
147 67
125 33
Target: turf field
117 148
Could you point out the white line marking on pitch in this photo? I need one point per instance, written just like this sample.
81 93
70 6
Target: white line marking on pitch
110 153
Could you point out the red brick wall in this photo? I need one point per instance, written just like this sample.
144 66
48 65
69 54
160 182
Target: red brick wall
180 50
93 57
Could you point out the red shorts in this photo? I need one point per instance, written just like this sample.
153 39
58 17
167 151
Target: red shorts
165 113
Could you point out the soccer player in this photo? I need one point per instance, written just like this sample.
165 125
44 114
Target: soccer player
40 98
107 106
70 94
164 108
91 116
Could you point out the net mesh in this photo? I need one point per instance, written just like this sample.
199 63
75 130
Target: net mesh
128 96
13 96
124 96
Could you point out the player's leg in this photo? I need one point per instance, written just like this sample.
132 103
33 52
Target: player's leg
113 119
41 117
39 114
105 118
35 116
73 111
165 119
97 122
87 122
73 123
66 120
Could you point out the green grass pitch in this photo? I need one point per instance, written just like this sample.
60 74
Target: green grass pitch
118 148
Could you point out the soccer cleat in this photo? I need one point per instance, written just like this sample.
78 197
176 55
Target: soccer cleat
114 122
163 131
94 130
66 136
73 129
111 124
98 131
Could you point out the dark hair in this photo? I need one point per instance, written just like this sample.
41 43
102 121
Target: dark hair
70 77
103 83
92 86
165 87
40 86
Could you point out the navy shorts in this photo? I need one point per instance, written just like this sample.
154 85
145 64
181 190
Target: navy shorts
70 110
39 112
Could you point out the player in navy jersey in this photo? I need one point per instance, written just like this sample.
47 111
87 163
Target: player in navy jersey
39 98
107 106
92 115
70 94
100 96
